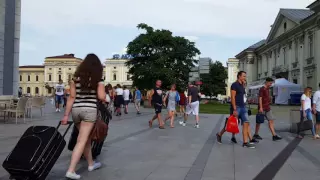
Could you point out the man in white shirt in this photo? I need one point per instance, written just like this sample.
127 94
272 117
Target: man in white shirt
126 97
316 109
59 93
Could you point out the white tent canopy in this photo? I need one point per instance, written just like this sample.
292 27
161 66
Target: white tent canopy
281 90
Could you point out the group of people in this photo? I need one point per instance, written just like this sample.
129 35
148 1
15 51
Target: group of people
170 100
239 109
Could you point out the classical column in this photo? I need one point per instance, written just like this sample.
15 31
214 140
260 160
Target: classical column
250 69
301 60
316 52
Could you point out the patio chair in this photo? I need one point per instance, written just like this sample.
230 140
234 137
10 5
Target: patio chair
19 110
36 102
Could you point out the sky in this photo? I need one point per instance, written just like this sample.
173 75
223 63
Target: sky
220 29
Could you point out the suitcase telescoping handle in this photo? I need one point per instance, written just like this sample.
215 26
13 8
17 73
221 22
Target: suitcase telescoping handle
69 125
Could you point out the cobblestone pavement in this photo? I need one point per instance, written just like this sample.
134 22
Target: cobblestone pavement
133 151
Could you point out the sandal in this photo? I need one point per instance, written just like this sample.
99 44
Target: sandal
161 127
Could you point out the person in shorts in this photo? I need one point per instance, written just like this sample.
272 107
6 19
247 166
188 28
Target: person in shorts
265 109
85 91
137 100
59 95
193 104
126 97
316 110
156 99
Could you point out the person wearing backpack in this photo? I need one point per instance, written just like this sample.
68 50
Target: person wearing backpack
173 97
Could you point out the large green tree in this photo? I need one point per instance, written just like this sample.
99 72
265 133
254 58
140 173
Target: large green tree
157 54
214 83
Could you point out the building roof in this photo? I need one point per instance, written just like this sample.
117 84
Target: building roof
65 56
32 66
314 4
296 15
252 47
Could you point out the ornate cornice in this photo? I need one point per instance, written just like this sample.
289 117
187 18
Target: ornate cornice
250 60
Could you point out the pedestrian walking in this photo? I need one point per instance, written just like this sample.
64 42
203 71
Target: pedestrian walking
171 96
137 100
265 109
193 104
126 97
86 88
59 95
182 104
306 112
316 110
119 101
238 109
157 101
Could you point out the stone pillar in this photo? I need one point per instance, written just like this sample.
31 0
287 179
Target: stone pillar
301 62
290 60
250 69
9 46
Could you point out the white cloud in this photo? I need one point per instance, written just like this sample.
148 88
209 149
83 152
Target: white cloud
192 38
232 18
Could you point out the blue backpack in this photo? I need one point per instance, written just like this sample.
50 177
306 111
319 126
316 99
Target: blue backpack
177 97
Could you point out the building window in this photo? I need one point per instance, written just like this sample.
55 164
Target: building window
28 90
59 68
128 77
59 77
295 81
20 78
37 78
114 76
285 27
37 90
311 46
69 68
49 90
28 77
50 68
49 77
114 67
69 77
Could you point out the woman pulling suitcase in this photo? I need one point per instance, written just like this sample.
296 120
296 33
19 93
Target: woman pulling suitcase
85 91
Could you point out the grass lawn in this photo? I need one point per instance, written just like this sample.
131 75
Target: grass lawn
214 108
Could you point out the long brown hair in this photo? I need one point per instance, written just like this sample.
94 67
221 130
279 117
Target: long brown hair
89 72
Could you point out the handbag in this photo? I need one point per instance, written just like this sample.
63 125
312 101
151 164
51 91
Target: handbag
306 125
249 111
100 129
232 125
260 118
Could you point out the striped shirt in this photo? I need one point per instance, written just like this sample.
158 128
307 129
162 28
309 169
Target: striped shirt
87 98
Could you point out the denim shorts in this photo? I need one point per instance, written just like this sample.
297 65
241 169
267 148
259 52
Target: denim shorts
318 117
59 99
242 114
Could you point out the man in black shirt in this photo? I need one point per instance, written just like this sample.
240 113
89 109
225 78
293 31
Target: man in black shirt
193 104
156 99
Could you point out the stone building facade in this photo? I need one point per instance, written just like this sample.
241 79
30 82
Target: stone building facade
116 72
291 49
232 69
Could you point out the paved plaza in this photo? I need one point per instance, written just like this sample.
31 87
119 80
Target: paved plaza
133 151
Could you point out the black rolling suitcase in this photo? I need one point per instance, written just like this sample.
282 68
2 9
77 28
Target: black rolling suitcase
35 153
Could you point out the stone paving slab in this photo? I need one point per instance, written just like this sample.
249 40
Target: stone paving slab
136 152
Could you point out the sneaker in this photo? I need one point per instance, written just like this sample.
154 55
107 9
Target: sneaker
72 175
57 110
256 136
234 140
248 145
180 122
138 112
219 138
197 126
254 141
276 138
95 166
184 124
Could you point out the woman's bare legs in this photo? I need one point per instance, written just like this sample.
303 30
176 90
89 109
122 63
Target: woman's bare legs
84 132
172 119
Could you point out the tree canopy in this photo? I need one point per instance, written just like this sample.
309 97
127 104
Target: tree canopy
214 83
157 54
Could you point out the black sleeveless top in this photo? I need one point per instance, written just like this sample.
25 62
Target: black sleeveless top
157 95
